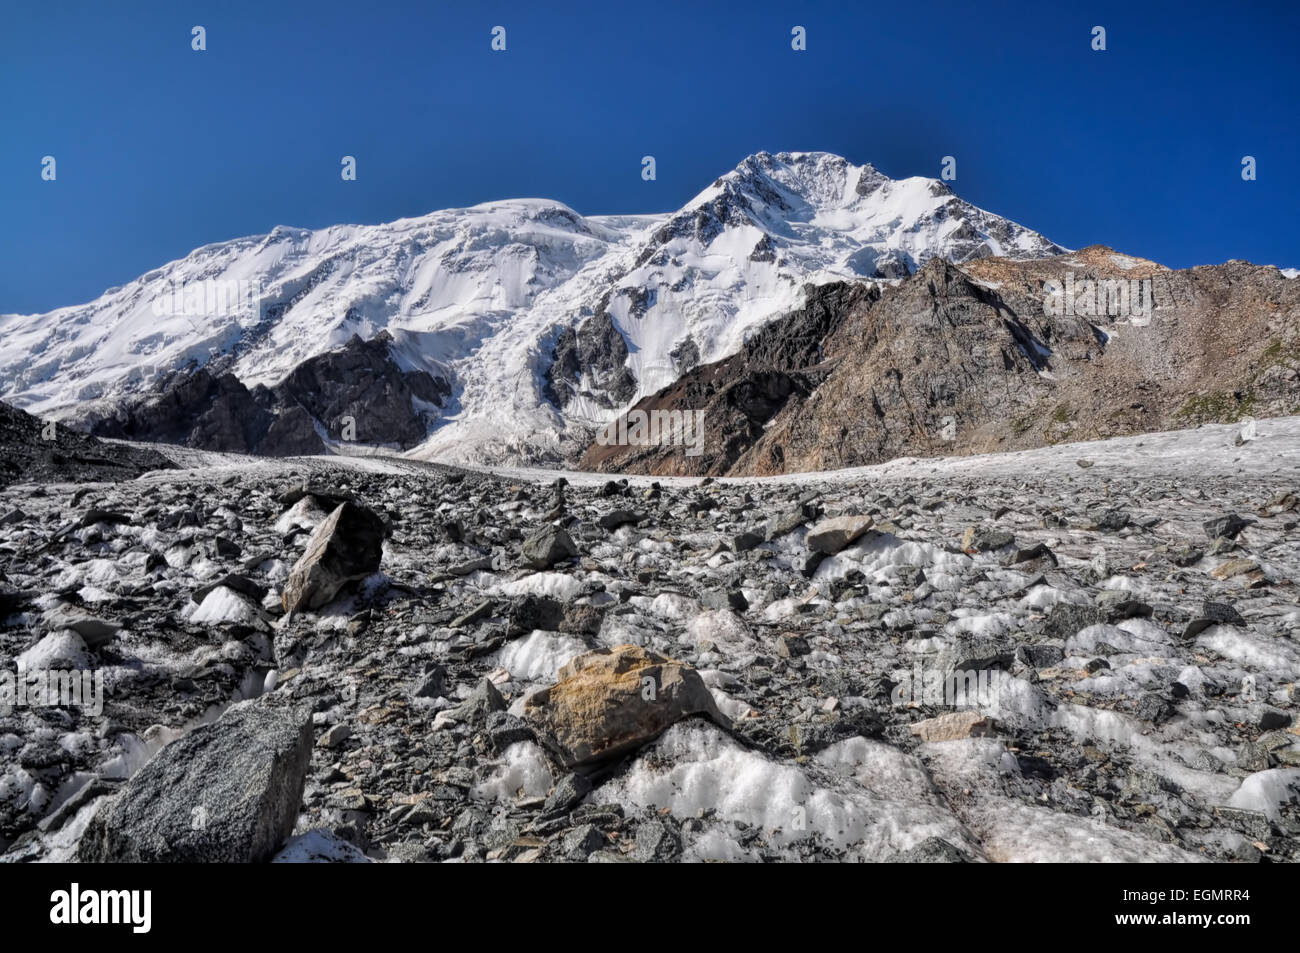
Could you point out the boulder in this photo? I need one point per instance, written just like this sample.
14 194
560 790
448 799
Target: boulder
227 792
612 701
93 630
345 548
831 535
616 518
980 539
1226 527
548 546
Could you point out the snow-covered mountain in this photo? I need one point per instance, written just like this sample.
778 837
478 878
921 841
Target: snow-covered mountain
545 322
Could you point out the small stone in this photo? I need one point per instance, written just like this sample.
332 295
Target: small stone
655 843
732 599
1035 552
548 546
1226 526
979 539
1233 567
581 841
1273 720
334 737
616 518
567 794
108 517
1111 521
792 646
480 611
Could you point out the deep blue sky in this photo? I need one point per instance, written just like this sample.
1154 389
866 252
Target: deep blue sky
161 149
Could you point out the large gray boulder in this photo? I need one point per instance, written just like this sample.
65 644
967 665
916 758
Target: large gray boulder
345 548
226 792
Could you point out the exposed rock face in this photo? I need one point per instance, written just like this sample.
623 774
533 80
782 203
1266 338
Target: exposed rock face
226 792
198 409
589 362
28 456
357 392
361 381
989 356
614 700
345 548
741 394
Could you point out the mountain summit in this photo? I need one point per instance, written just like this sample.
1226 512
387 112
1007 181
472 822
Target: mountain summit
536 323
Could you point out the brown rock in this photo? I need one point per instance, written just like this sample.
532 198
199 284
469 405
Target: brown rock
856 378
1233 567
954 726
611 701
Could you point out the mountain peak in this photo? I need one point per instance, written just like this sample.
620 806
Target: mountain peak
541 320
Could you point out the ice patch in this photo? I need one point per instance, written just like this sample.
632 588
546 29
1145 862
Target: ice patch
1267 791
523 768
695 768
556 585
319 846
539 656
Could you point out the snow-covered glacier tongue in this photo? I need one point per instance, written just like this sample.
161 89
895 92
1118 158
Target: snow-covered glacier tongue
543 324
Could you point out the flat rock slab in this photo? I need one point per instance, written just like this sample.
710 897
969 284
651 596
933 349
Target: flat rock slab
611 701
831 535
227 792
953 726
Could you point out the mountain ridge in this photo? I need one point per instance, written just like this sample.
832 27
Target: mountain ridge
989 356
483 297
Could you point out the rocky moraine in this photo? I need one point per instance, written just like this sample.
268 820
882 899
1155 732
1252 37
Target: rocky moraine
313 659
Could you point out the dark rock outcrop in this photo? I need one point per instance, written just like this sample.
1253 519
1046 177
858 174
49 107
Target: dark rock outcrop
589 362
740 394
356 393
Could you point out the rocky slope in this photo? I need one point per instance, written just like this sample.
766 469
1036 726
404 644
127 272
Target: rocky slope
34 449
356 659
539 322
988 356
